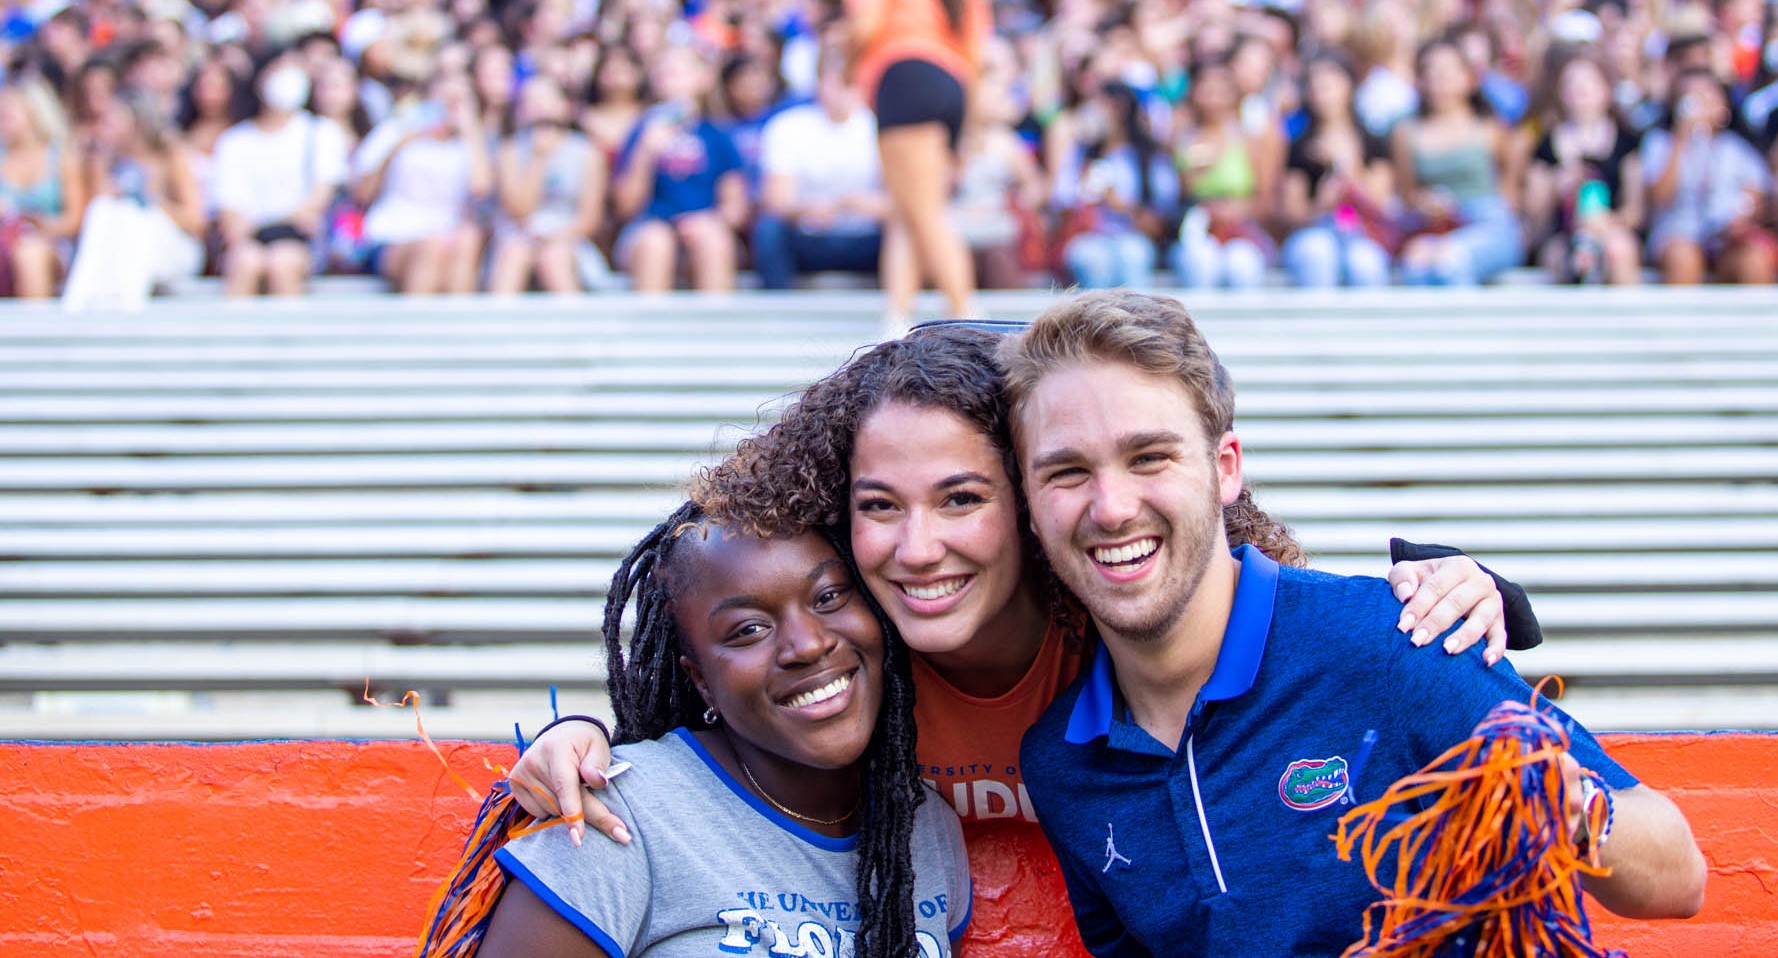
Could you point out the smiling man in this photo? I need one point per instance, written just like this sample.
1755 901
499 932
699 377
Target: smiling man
1191 779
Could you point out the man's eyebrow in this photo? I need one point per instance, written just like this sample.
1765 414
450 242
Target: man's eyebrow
1054 457
1140 440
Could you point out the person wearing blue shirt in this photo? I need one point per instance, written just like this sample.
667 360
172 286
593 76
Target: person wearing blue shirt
680 185
1190 780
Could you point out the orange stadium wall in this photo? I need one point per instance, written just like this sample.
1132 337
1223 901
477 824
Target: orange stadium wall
332 848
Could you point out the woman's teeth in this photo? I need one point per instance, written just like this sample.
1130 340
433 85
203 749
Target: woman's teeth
821 694
937 590
1122 555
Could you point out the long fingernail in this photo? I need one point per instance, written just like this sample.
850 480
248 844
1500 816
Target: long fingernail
1491 657
1450 646
1404 591
1407 622
622 835
1421 637
574 835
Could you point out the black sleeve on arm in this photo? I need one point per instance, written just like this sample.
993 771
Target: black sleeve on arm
1522 629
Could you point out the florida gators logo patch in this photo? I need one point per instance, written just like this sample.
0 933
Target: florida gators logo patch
1312 783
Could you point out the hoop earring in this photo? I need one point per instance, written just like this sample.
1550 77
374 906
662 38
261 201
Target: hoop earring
711 716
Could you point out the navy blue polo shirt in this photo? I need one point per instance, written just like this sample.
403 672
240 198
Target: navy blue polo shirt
1221 844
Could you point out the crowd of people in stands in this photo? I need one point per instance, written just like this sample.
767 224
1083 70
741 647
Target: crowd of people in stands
563 145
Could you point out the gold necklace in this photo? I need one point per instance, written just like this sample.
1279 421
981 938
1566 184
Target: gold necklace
794 814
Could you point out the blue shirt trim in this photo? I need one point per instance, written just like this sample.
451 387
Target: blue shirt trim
968 913
568 912
771 814
1237 661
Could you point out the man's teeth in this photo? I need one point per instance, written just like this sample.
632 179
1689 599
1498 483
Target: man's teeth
821 694
1141 549
937 590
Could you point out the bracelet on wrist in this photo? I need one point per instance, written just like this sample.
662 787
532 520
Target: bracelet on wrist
604 729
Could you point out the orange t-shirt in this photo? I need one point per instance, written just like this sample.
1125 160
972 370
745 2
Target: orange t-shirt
969 747
917 30
969 752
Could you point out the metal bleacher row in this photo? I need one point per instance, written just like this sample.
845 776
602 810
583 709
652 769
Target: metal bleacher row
219 520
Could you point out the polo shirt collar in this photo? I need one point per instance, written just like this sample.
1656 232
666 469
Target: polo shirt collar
1237 661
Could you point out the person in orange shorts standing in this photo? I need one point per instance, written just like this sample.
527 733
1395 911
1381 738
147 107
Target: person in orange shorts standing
916 60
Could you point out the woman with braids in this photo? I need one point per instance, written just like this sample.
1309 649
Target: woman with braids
766 710
905 452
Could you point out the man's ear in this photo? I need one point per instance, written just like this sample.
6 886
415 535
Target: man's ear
1228 468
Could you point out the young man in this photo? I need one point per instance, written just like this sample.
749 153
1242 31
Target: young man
1168 777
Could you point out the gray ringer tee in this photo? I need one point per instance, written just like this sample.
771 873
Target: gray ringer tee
713 871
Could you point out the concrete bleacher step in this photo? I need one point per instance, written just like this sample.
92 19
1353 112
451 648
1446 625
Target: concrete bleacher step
747 409
1701 572
547 436
547 539
582 469
507 619
480 506
189 666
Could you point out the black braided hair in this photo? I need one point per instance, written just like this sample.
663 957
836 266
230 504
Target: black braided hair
651 695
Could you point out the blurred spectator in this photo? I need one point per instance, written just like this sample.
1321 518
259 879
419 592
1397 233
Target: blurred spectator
334 96
214 101
1255 163
1338 181
274 177
41 191
1127 196
419 175
64 42
1707 190
680 185
144 218
1000 191
1229 176
615 100
551 186
822 205
750 89
95 90
1253 65
1386 95
153 71
1507 98
1453 162
495 84
1583 188
916 61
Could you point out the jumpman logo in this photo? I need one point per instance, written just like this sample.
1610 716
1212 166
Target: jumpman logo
1111 855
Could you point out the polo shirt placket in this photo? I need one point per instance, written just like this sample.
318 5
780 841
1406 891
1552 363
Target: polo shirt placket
1176 773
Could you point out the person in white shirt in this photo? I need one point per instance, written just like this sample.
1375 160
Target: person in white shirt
821 194
551 185
274 176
